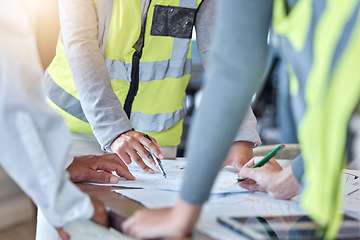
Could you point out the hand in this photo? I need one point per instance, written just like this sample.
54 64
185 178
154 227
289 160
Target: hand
62 234
100 217
239 154
271 178
92 168
167 222
100 214
132 143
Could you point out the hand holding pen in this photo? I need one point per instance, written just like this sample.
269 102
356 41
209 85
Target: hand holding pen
131 146
266 158
278 182
157 161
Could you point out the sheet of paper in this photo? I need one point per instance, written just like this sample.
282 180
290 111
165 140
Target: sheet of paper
175 170
352 197
150 198
352 186
241 204
232 204
235 204
355 173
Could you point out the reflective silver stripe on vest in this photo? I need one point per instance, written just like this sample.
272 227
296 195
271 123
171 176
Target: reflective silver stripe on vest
157 122
119 70
178 55
188 3
149 71
345 37
301 62
63 99
141 121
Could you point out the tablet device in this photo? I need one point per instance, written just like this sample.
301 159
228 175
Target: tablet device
286 227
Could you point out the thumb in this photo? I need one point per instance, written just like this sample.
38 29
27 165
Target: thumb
105 177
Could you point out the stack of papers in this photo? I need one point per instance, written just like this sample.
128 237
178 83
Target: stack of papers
227 198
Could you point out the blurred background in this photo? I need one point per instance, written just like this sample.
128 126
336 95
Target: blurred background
18 213
274 122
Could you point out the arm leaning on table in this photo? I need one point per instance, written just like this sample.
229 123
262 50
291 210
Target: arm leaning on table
241 55
247 136
109 122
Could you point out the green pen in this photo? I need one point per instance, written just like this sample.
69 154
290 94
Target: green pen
266 158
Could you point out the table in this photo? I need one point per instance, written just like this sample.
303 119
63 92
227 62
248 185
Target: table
122 207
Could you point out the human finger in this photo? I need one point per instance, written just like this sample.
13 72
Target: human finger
139 161
252 162
62 234
154 141
101 177
251 186
122 145
126 225
151 145
142 153
128 145
250 173
124 156
110 165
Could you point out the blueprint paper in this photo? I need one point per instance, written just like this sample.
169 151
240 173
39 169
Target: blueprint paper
352 197
235 204
175 169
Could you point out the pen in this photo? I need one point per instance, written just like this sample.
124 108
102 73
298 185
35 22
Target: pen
157 161
266 158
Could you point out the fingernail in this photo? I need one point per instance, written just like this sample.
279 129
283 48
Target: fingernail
150 171
161 156
114 179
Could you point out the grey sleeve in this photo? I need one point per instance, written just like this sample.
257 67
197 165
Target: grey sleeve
79 33
248 129
297 167
204 24
238 56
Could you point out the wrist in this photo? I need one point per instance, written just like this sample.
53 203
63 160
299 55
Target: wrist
185 216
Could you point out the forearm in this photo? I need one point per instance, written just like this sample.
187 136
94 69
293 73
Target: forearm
36 137
186 214
101 106
208 144
205 20
41 151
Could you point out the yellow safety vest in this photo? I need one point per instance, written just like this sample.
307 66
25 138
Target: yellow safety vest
152 90
319 40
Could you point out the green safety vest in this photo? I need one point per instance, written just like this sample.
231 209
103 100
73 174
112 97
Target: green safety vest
320 42
151 87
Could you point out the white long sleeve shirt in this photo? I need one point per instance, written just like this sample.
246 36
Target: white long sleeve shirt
34 139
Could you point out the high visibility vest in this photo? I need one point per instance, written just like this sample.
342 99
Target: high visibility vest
151 87
319 40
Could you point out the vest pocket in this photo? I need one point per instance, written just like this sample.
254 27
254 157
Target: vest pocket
173 21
